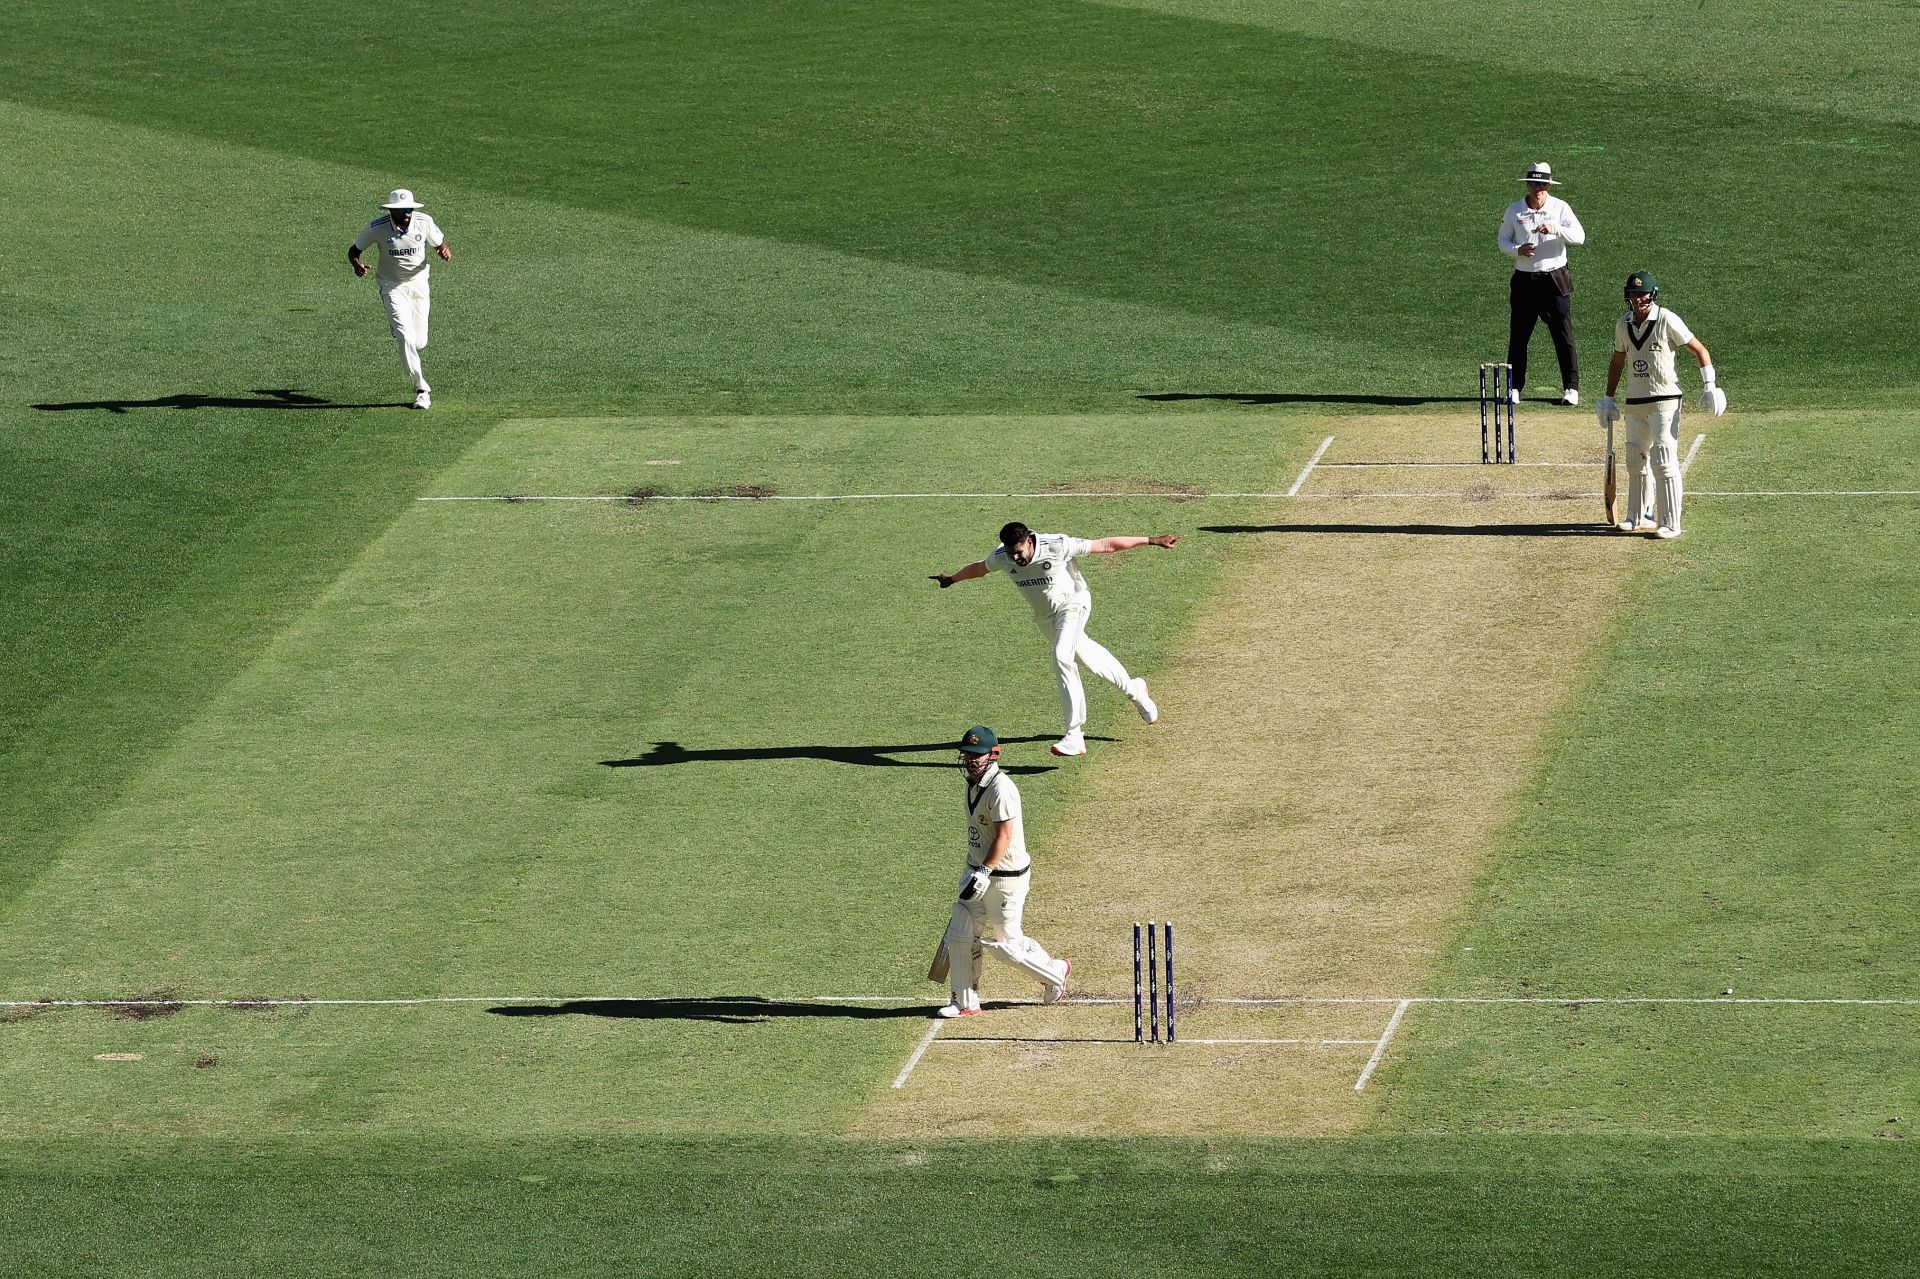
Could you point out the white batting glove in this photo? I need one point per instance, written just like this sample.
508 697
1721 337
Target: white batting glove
974 883
1714 401
1607 411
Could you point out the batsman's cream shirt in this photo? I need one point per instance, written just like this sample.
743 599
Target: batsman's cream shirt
403 254
1650 350
1051 581
989 804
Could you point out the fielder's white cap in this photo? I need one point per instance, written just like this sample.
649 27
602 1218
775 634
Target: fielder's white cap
401 198
1541 172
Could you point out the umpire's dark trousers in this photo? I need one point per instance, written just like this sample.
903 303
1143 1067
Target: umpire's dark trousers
1541 295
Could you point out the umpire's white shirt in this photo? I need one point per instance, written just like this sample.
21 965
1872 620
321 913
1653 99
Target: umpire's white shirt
1521 225
403 254
1051 581
991 803
1650 349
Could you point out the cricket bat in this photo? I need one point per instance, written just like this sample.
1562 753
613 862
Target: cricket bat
937 970
1613 488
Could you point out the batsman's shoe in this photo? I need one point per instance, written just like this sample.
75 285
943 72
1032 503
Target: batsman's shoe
1666 534
1513 398
1635 526
1143 701
424 400
1057 991
1074 743
1570 397
950 1011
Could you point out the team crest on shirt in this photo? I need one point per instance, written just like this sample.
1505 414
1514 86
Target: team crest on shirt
1045 565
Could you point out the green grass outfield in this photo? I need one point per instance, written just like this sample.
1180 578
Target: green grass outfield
273 727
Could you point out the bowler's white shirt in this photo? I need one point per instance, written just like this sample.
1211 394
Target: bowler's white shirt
403 254
1051 581
1521 225
991 803
1650 349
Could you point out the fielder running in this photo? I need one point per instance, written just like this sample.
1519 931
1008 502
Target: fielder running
1645 341
404 234
1042 566
993 889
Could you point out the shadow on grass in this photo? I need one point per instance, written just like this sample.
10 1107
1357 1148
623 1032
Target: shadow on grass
1428 530
286 398
733 1009
663 753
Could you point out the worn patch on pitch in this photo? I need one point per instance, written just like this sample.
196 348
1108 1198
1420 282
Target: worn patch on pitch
1343 735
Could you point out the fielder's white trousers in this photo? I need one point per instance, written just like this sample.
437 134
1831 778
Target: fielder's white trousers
991 922
1653 442
1072 649
407 307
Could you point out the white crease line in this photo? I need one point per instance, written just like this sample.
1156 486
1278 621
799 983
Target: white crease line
1380 1049
926 1042
1354 1042
1698 440
747 1002
1307 470
510 499
1469 466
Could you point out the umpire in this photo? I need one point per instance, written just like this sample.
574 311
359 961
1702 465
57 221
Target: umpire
1535 233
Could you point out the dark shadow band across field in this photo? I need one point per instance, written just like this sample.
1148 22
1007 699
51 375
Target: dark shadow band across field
672 752
1288 397
732 1009
283 398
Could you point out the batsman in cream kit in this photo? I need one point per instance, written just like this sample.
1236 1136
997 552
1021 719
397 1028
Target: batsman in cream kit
1646 341
988 914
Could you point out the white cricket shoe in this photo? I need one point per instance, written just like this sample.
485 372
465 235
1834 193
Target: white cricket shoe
950 1011
1635 526
1074 743
1513 398
1570 397
424 400
1057 991
1666 534
1143 701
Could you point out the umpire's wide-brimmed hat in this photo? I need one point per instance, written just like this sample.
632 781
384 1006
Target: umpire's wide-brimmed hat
401 198
1541 172
978 740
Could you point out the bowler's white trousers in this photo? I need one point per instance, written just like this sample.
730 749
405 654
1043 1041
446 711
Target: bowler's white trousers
1072 648
407 305
993 921
1653 437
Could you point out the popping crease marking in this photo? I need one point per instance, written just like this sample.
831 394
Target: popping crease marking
1277 1001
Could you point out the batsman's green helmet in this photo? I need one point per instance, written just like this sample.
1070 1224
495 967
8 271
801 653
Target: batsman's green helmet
1642 282
978 740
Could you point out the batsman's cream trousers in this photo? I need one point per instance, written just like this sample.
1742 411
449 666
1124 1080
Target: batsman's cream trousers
407 307
992 921
1653 441
1073 648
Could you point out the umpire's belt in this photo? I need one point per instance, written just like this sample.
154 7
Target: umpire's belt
1009 874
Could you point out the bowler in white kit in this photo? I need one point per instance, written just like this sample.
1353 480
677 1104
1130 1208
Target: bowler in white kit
403 234
1645 341
1043 566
